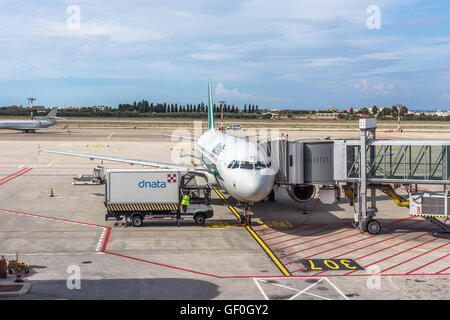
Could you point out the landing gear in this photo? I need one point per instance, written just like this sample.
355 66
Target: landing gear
373 226
245 218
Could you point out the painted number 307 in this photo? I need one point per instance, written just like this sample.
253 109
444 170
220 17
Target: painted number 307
331 264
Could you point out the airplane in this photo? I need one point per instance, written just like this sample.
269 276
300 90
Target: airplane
31 125
235 165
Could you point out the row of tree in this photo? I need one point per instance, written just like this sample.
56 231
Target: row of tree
145 107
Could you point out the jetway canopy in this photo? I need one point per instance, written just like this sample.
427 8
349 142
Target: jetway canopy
401 161
334 161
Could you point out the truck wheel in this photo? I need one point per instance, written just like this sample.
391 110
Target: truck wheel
200 219
27 270
137 221
373 227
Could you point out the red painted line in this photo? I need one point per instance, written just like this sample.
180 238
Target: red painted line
420 255
162 265
13 174
440 272
305 235
16 176
428 263
397 221
56 219
319 245
366 246
105 242
300 243
294 232
273 230
396 254
338 247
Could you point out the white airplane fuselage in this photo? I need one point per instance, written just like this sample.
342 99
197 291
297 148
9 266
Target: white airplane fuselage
26 124
239 166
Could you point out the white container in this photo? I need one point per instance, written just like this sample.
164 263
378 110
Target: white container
142 186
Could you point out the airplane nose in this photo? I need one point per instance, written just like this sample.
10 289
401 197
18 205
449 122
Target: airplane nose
257 186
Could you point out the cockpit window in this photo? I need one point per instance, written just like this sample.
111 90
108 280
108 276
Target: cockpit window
247 165
260 165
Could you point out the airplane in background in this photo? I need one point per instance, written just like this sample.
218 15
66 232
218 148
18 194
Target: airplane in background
31 125
235 165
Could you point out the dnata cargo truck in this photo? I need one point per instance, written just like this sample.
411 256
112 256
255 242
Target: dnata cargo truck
146 194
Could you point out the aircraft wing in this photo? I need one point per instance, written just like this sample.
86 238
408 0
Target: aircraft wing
131 161
180 137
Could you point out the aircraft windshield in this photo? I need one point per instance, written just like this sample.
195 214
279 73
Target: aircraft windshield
247 165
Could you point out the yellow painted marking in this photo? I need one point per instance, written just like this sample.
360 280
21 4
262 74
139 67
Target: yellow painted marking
217 225
111 134
276 223
256 237
313 267
181 149
269 252
232 209
98 145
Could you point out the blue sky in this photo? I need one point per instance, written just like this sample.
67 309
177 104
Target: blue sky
289 54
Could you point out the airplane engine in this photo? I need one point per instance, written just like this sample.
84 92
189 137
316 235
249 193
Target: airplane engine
301 192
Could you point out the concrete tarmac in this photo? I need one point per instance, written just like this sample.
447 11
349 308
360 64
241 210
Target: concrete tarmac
66 235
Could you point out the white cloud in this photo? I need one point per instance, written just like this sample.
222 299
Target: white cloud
371 86
221 91
115 31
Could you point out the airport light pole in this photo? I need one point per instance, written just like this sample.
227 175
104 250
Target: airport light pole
30 104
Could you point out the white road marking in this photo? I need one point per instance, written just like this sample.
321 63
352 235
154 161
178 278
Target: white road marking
299 292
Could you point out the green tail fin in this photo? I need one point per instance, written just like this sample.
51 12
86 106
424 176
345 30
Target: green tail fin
210 107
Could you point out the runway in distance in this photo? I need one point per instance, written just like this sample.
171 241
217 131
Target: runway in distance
31 125
235 165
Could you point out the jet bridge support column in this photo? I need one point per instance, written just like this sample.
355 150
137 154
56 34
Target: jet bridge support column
367 129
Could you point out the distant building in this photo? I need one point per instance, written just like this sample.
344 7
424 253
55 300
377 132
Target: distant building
74 107
14 107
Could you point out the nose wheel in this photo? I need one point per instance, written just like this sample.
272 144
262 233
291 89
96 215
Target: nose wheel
245 218
373 226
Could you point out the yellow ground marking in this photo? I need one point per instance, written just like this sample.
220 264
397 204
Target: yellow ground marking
181 149
111 134
256 237
269 252
98 145
217 224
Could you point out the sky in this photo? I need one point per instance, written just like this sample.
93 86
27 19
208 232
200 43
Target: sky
281 54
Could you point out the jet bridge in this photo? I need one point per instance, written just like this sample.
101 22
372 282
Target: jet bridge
331 164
